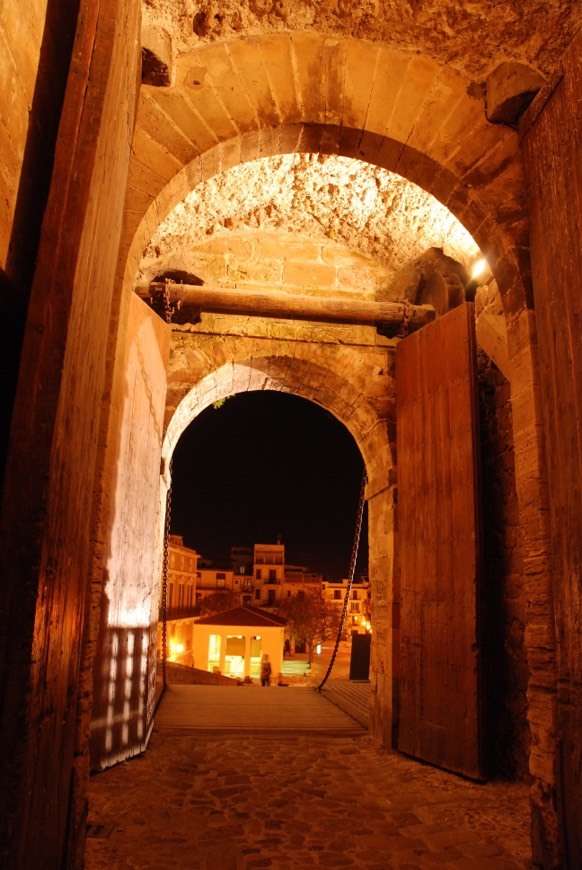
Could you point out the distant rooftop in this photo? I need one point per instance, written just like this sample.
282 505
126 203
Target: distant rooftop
244 615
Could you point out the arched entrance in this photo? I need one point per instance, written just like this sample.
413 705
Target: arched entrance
326 375
226 353
294 82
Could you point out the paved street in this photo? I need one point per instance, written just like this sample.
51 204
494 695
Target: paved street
292 792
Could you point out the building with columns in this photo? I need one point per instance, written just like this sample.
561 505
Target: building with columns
233 643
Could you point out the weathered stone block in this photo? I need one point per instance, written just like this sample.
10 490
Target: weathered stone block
157 64
510 89
309 274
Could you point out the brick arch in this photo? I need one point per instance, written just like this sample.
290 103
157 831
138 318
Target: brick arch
280 93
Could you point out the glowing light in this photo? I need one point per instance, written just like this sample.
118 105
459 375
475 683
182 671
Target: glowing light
479 267
318 649
175 649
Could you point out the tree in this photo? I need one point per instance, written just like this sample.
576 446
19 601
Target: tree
218 602
311 619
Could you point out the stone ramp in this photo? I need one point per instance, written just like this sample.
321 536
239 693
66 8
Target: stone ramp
351 696
252 709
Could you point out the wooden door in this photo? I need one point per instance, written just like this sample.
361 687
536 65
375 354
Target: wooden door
438 544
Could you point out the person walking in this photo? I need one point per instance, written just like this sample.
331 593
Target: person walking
265 671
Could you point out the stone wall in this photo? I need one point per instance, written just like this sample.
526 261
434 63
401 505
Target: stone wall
124 667
552 133
503 591
265 260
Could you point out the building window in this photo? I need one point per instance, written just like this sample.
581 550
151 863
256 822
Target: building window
355 594
258 594
272 596
214 645
258 573
354 607
247 583
272 574
337 594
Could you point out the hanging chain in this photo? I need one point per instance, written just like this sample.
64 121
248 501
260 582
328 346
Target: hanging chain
168 310
353 561
165 570
166 552
406 318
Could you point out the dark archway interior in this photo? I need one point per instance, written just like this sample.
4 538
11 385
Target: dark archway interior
266 465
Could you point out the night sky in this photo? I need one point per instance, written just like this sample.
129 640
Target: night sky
264 464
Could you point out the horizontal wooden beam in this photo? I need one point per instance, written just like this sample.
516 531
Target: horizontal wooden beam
184 302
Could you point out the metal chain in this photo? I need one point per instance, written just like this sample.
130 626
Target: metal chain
168 309
165 571
406 318
166 551
353 561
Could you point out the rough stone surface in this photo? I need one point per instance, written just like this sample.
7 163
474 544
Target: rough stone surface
510 89
125 656
156 57
504 614
232 801
447 31
324 198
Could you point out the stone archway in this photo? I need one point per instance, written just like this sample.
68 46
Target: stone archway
68 381
442 141
352 383
242 99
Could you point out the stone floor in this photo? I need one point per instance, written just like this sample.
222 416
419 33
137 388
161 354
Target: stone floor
214 800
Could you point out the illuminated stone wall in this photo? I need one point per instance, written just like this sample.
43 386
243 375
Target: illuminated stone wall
124 669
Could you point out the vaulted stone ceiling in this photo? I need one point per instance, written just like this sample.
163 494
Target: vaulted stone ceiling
320 197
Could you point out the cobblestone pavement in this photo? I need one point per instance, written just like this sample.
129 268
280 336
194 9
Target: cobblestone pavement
212 801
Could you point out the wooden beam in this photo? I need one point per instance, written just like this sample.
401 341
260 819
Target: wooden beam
184 302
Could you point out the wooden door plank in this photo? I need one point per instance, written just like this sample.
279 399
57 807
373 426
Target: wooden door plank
438 544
